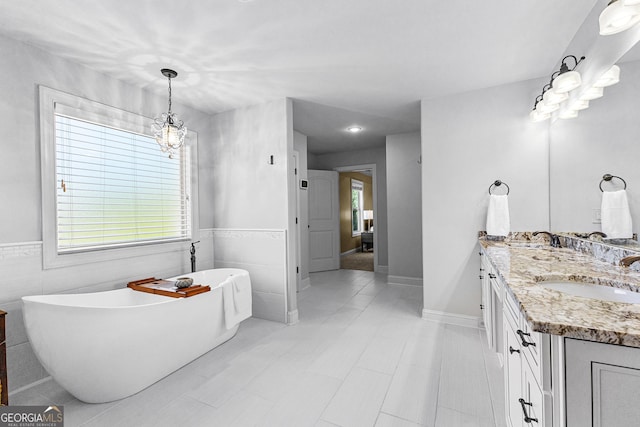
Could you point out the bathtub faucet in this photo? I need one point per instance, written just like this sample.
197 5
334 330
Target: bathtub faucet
193 256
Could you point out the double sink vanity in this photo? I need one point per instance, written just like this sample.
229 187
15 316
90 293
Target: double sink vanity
565 324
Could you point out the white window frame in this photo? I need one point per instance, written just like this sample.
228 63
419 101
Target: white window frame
53 101
357 185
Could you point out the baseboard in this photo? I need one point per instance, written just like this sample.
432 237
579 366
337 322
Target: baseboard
292 317
382 269
451 318
349 252
402 280
305 284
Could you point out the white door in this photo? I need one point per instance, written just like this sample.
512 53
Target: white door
324 221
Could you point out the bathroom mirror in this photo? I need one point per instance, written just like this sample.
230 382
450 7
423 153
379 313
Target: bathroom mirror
604 139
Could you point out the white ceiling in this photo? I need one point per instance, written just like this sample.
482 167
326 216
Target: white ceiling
344 62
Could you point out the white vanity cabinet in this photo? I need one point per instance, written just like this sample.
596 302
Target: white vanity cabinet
602 384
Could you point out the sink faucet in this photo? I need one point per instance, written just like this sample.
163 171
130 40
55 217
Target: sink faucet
628 260
554 240
597 233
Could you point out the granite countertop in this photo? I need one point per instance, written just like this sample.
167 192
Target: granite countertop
522 264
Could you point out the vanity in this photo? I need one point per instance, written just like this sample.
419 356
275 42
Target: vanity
570 357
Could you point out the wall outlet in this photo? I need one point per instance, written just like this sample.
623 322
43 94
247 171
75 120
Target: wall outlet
596 216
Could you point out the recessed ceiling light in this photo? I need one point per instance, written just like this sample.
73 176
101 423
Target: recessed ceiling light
354 129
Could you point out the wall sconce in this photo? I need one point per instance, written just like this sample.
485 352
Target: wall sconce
168 130
618 16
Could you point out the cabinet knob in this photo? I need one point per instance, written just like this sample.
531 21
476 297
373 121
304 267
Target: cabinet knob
481 306
527 418
513 350
525 342
481 277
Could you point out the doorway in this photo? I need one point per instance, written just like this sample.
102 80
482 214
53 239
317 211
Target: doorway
357 204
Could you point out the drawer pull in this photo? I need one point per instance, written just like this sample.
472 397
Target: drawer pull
524 342
481 277
513 350
492 276
527 418
481 306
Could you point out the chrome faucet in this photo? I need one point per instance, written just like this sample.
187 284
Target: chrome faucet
628 260
554 240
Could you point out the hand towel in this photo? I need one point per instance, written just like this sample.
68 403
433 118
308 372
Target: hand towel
498 223
236 293
615 215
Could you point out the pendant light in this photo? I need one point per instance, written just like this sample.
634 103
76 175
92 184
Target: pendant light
618 16
168 130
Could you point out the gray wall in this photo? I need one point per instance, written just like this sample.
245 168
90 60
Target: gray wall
20 218
468 141
603 139
375 156
251 200
404 208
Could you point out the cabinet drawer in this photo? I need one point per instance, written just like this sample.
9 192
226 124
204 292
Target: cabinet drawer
512 310
532 400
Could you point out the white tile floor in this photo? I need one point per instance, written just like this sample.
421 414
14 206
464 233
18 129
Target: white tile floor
360 356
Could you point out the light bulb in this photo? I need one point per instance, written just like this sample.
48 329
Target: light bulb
619 16
611 77
592 93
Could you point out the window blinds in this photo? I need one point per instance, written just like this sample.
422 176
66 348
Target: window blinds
116 188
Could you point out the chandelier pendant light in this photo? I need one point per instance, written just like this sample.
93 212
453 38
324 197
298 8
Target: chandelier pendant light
168 130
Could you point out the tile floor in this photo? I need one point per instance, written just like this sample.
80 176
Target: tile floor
360 356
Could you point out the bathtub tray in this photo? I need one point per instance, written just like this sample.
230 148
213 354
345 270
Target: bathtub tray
166 288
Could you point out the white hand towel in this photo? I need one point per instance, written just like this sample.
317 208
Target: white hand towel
615 215
236 293
498 223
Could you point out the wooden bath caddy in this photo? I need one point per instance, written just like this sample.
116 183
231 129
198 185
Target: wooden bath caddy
166 287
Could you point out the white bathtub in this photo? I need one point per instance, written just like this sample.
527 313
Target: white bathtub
105 346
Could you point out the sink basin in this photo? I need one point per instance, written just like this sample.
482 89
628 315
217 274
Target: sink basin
589 290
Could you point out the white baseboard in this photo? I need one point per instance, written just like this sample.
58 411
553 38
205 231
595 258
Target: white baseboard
382 269
451 318
292 317
28 386
402 280
349 252
304 284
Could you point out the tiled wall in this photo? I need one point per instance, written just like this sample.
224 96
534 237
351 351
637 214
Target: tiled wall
21 274
264 254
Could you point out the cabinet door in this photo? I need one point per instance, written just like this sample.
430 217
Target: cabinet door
487 310
532 398
512 377
602 384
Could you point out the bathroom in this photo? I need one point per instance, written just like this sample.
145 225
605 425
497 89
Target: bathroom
552 169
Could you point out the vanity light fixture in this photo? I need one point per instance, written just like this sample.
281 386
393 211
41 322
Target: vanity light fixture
592 93
567 79
354 129
568 114
557 90
611 77
168 130
579 105
618 16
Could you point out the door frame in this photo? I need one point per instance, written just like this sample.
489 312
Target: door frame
372 167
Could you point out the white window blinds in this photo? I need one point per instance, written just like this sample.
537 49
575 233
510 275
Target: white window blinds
116 188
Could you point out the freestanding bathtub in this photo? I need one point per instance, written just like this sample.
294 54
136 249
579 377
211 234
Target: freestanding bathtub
105 346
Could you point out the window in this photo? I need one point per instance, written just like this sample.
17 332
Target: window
107 187
357 205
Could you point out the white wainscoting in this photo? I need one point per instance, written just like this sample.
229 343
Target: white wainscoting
263 253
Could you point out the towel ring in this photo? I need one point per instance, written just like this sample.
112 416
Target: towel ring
608 177
498 183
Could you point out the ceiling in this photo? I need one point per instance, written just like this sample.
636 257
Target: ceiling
364 62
